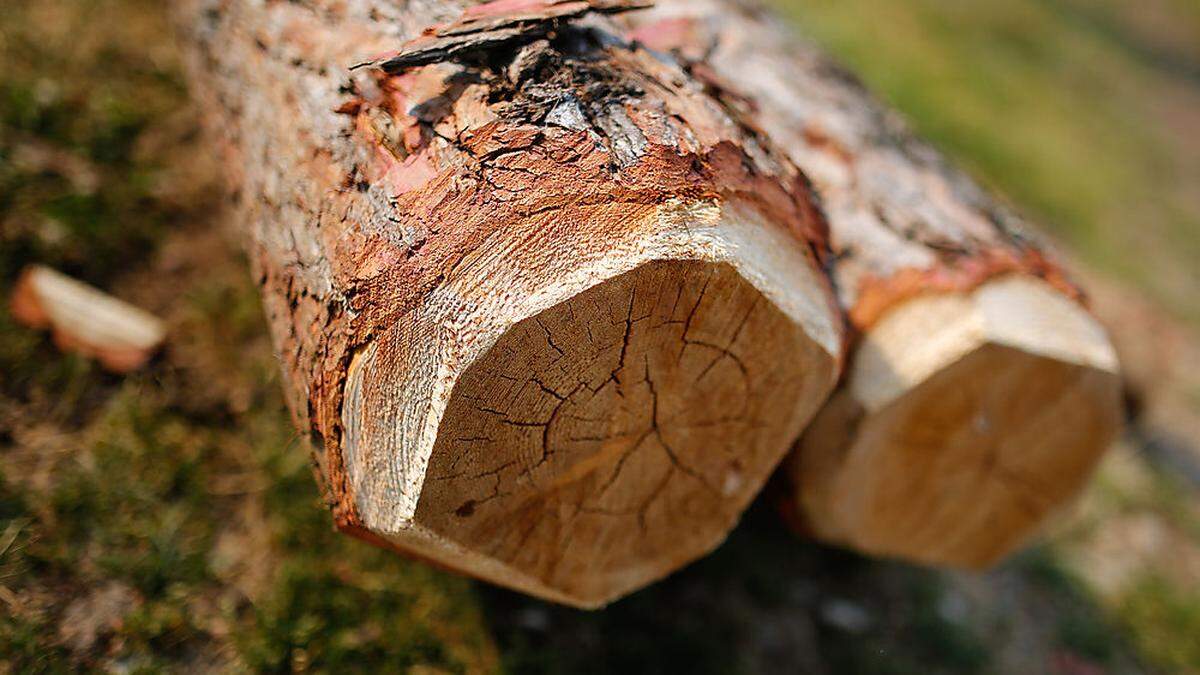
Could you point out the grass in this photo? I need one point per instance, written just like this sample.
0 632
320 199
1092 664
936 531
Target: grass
757 604
169 521
207 516
76 189
1164 621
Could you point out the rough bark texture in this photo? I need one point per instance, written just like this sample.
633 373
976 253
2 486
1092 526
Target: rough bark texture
948 294
473 205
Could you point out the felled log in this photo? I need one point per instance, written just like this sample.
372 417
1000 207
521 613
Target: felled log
980 392
551 312
86 320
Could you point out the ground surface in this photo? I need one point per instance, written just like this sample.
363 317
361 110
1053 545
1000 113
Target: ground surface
168 520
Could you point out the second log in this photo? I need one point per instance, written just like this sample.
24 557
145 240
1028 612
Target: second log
980 392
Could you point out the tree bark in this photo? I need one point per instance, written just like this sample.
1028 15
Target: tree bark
979 392
551 311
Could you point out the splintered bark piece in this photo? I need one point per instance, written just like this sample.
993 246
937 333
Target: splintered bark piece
484 28
980 392
85 320
552 313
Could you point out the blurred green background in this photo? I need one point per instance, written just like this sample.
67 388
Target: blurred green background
1085 112
168 520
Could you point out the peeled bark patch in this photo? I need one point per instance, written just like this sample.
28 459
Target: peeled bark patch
531 294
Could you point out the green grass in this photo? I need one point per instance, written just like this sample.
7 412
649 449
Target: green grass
86 201
148 496
1164 621
924 642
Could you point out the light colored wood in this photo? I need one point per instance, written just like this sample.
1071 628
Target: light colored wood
553 315
965 420
980 391
86 320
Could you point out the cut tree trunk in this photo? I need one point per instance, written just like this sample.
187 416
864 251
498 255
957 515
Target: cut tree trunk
979 392
552 312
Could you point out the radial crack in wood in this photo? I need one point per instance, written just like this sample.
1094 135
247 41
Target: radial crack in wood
609 427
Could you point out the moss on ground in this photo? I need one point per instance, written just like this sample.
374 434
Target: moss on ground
199 505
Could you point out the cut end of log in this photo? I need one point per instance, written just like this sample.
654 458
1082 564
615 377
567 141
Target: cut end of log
964 422
613 427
